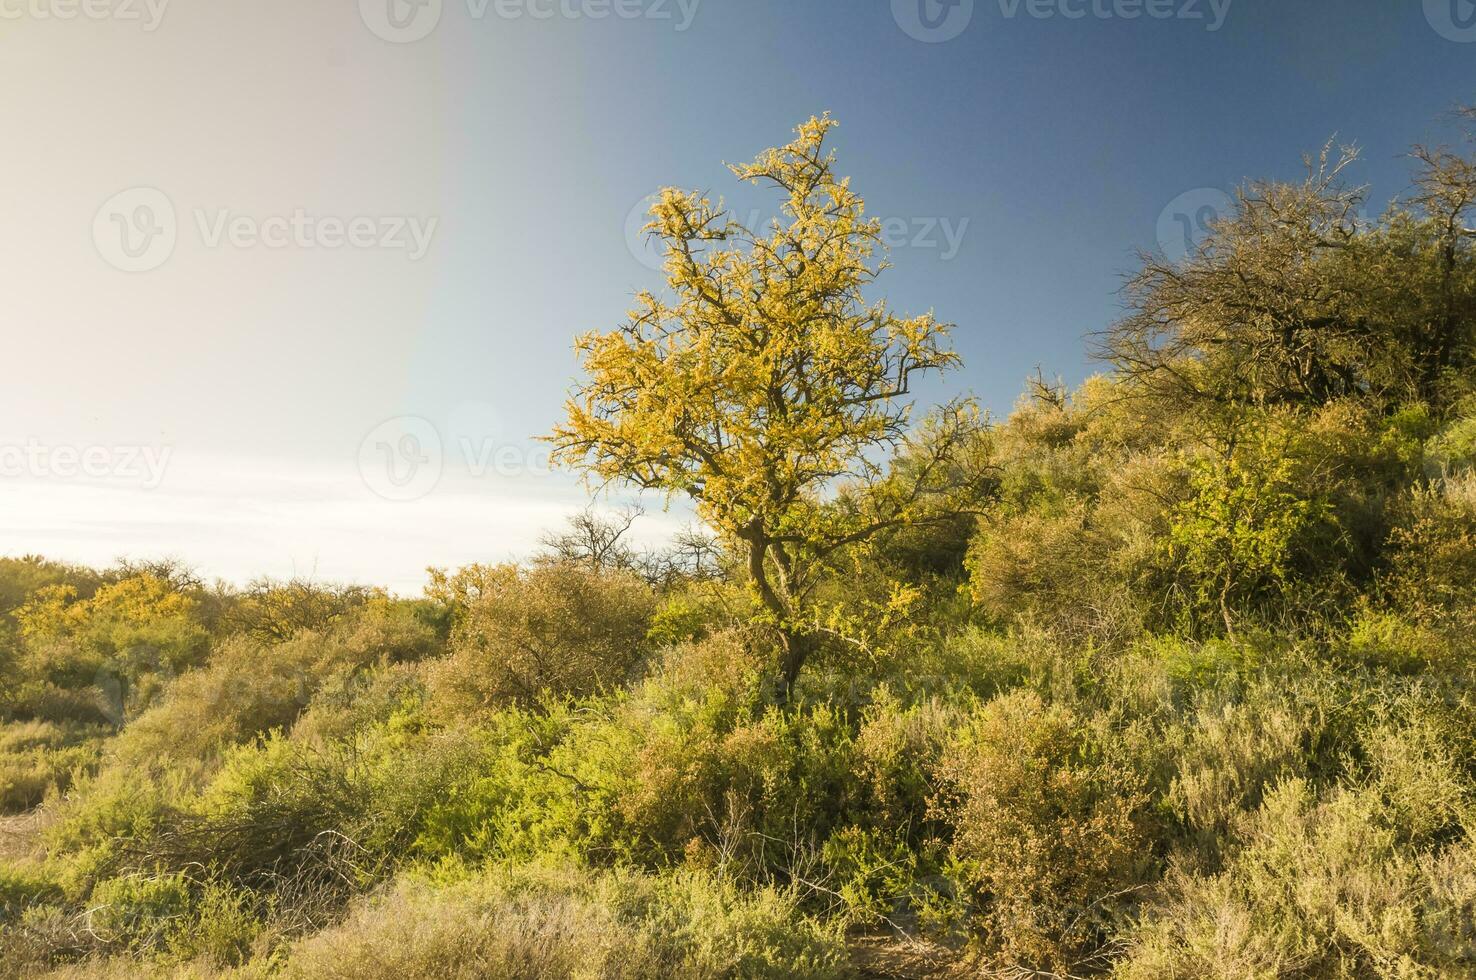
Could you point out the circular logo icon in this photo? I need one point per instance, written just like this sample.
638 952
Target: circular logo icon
933 21
135 230
1186 222
1454 20
646 247
401 459
400 21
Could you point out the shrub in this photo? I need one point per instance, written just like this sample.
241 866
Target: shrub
1453 449
692 614
1432 573
1230 754
127 637
1248 521
22 887
275 611
553 629
1048 563
250 687
1393 642
977 663
138 912
221 929
1048 829
898 748
43 700
1320 888
350 703
665 777
27 776
535 923
730 662
278 816
41 937
102 820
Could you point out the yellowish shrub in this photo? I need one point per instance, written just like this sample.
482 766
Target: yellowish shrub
1048 829
556 629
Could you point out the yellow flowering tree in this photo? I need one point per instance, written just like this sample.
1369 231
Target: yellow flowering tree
126 638
765 387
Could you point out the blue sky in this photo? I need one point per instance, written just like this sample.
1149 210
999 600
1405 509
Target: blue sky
1020 164
1059 142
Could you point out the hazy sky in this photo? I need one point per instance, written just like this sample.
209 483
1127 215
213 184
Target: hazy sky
243 242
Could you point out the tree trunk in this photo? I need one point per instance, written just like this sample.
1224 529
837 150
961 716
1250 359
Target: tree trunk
1225 606
797 649
796 644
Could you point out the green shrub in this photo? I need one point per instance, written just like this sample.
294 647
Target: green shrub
275 611
1393 642
277 815
102 820
692 614
250 688
28 777
138 912
221 930
40 757
21 887
1049 830
127 638
1432 575
350 703
1452 451
660 778
537 923
552 629
1048 564
975 662
1229 754
1319 888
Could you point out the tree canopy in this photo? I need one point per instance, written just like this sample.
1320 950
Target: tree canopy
767 380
